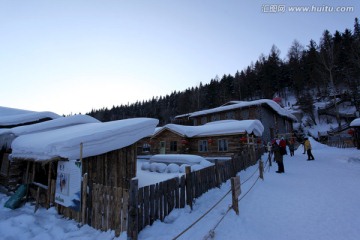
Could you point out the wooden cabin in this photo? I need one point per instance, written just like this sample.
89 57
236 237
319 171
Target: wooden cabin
12 172
144 146
275 119
222 138
12 118
355 124
84 170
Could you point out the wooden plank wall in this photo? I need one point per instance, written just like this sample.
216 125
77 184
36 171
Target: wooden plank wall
109 208
108 186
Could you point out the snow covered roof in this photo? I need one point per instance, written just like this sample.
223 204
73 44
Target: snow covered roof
8 134
224 127
241 104
13 116
49 125
97 138
355 123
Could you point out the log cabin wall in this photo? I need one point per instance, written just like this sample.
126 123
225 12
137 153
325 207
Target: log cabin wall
170 139
191 145
234 145
11 172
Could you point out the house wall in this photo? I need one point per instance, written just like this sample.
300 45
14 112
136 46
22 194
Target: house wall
233 141
191 145
167 137
11 172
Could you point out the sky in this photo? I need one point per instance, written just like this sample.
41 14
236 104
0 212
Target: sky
74 56
312 200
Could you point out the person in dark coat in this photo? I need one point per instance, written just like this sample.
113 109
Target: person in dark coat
278 156
292 147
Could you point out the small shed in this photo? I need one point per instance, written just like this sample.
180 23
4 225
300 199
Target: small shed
11 172
220 138
85 170
356 132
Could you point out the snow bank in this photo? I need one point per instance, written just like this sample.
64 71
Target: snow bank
174 163
355 123
177 158
97 138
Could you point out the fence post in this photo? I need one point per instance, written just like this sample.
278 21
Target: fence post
133 228
261 169
236 191
269 159
189 187
217 178
84 198
232 160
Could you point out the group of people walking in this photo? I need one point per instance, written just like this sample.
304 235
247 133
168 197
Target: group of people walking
278 149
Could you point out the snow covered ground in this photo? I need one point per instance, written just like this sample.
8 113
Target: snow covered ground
312 200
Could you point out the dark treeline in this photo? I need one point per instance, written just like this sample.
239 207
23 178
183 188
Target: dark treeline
317 69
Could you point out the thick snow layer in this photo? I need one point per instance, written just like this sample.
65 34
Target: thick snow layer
50 125
12 116
241 104
6 111
355 123
218 127
8 134
97 138
177 158
312 200
169 163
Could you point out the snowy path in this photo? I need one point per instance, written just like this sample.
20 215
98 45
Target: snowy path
313 200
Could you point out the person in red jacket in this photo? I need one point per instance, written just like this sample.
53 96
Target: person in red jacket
282 145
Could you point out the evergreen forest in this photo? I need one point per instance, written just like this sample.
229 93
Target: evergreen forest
316 70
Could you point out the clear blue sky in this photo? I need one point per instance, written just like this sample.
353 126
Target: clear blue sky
71 56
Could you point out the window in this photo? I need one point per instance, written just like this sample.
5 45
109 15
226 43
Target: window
223 145
173 146
230 115
146 147
203 146
203 120
215 117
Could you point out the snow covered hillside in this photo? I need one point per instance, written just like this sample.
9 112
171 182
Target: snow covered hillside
312 200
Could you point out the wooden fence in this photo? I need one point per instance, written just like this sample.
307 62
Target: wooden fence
106 209
341 143
155 202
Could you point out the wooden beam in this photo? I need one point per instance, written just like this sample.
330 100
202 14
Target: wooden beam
84 198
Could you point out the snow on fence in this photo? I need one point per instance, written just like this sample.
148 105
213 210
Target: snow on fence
155 202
